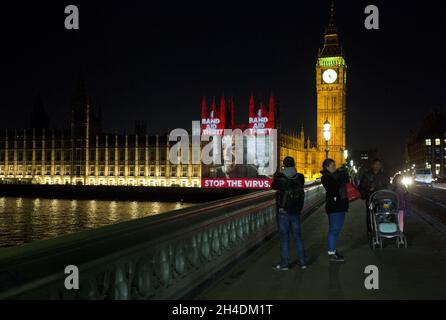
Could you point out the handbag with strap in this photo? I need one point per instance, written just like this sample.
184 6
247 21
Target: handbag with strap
352 192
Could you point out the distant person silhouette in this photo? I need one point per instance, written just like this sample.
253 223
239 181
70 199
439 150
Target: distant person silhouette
372 180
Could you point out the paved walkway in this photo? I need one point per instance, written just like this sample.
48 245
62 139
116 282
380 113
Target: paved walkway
418 272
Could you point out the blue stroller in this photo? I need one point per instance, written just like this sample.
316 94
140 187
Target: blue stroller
383 206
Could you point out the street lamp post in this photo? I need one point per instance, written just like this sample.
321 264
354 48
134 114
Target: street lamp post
327 136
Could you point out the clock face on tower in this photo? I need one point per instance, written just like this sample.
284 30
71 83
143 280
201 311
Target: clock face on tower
329 76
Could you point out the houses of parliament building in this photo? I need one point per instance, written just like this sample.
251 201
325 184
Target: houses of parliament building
83 155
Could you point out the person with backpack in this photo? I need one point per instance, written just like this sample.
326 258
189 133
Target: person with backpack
336 203
289 203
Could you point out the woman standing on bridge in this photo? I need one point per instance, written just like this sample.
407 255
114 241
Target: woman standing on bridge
336 204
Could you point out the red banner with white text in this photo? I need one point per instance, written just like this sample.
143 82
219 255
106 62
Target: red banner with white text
256 183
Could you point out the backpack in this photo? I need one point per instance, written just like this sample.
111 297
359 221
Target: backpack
292 197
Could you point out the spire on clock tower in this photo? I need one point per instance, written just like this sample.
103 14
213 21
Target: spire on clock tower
331 39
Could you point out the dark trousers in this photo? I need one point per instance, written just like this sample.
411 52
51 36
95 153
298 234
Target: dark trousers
290 223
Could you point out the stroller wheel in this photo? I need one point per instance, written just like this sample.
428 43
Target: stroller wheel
402 242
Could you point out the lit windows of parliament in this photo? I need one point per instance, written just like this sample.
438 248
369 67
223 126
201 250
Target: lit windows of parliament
83 155
53 157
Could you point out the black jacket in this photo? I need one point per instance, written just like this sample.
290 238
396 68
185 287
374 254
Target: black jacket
336 199
371 182
281 180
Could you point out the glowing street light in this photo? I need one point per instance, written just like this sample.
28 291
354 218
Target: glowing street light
345 154
327 136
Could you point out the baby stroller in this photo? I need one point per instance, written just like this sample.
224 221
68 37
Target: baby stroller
383 206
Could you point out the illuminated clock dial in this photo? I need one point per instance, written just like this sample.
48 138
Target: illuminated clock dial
329 76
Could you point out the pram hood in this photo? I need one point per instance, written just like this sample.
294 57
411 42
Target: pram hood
381 195
384 194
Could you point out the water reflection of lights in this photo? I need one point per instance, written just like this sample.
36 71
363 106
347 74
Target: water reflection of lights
73 205
134 209
178 205
91 214
36 205
54 205
48 218
156 208
53 218
113 212
2 204
72 216
19 203
93 206
113 207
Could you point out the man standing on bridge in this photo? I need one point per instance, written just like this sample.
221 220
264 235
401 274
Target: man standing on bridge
289 203
372 180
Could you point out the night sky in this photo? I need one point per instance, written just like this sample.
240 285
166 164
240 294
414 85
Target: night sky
153 61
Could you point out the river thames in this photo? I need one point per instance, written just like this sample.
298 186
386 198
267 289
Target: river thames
24 220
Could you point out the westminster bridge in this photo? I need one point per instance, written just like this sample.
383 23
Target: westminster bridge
224 249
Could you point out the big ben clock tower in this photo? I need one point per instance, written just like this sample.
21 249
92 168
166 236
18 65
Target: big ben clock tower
331 78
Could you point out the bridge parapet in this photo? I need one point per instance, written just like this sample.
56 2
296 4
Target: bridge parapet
162 257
